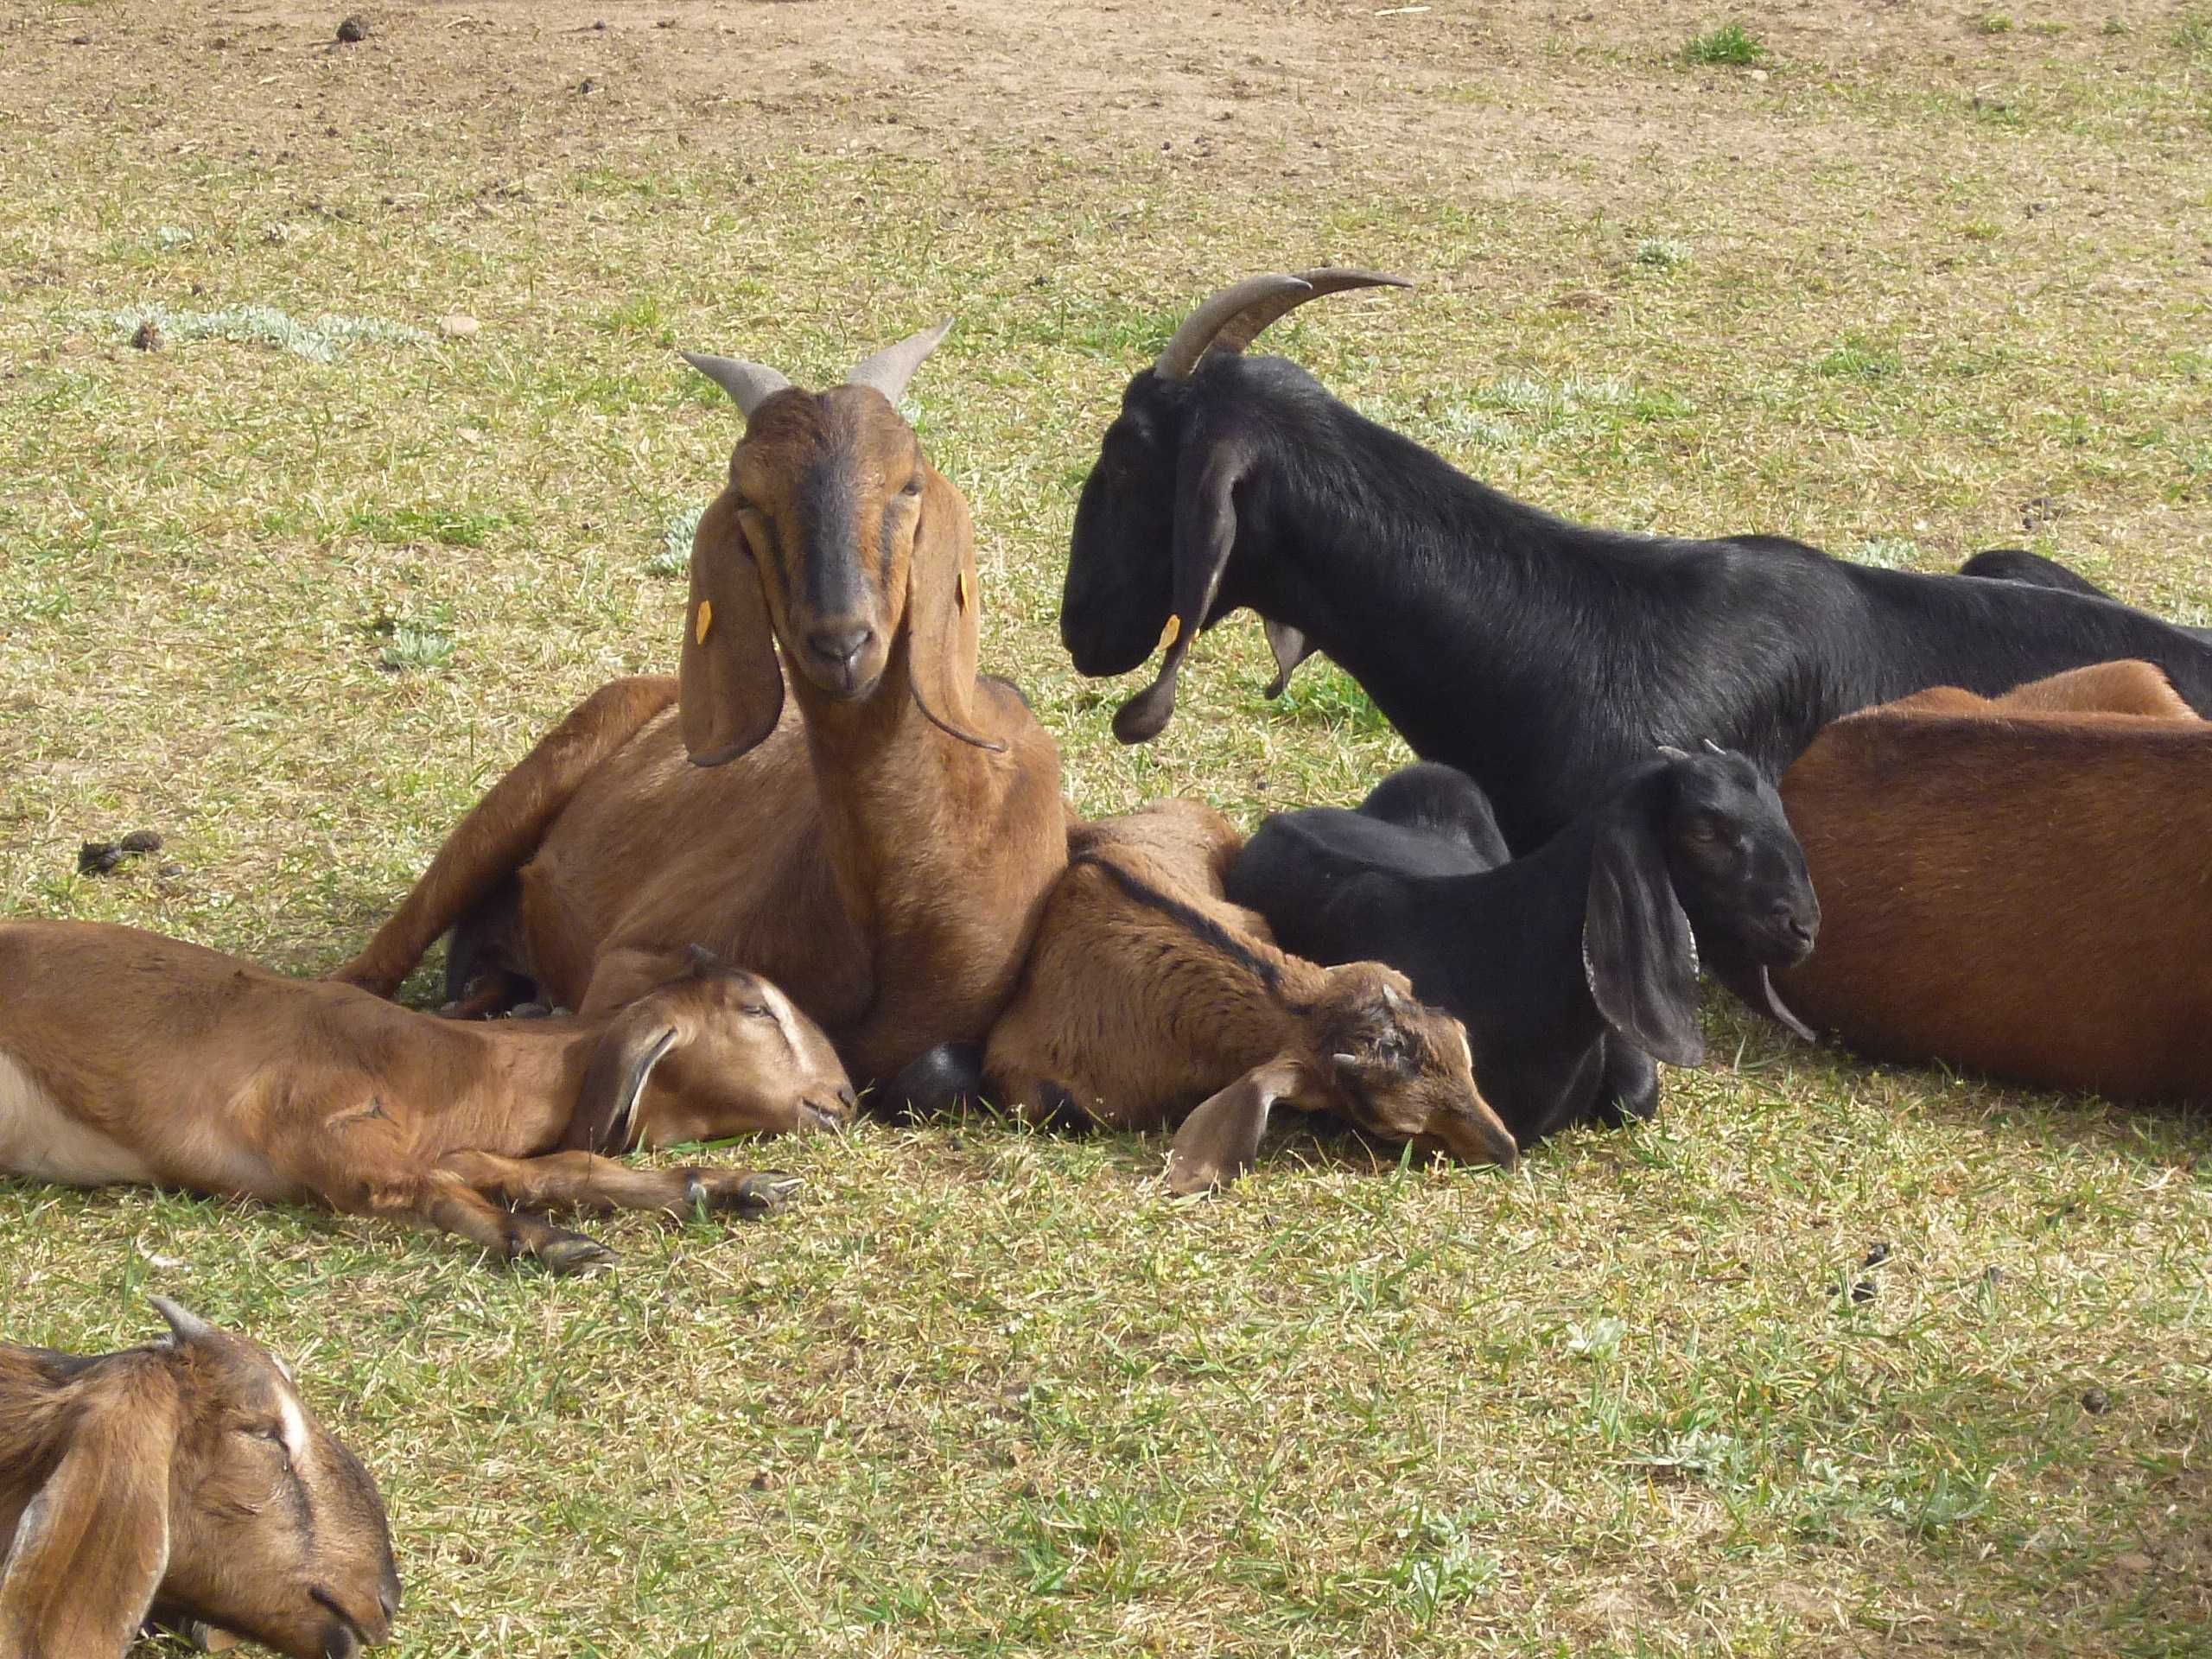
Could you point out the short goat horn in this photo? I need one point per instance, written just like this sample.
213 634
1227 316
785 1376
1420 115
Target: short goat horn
184 1325
1231 320
749 384
890 369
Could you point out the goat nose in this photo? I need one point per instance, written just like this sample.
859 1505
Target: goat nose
847 1099
836 647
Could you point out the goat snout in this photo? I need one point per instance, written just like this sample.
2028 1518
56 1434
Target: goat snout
829 1116
835 653
1793 928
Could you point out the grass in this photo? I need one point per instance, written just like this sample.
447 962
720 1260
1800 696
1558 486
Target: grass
1729 43
988 1393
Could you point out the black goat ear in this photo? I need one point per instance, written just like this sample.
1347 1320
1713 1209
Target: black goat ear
1637 949
1291 648
1206 532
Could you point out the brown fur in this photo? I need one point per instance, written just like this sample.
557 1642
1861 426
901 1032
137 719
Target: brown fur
881 853
1133 1010
2018 885
189 1479
148 1060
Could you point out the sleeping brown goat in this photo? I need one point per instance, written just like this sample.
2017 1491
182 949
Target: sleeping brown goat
185 1481
126 1056
2017 886
878 842
1148 996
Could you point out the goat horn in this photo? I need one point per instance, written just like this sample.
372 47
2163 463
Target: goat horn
749 384
1232 319
1712 748
890 369
184 1325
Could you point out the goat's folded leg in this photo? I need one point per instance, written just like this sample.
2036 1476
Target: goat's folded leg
584 1181
451 1203
1629 1092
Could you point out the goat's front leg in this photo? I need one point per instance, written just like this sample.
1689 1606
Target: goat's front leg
450 1202
584 1181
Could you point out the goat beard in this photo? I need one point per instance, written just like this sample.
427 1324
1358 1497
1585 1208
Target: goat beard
1749 980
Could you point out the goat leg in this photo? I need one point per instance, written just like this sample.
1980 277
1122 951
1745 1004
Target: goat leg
449 1203
584 1181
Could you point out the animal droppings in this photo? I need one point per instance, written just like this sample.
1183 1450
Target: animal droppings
148 337
2095 1402
353 30
98 857
141 841
1876 1255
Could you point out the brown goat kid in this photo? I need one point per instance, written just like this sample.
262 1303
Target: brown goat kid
185 1481
2019 885
877 842
126 1056
1149 995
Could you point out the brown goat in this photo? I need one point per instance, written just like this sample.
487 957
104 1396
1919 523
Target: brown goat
1149 995
2018 885
126 1056
879 843
185 1481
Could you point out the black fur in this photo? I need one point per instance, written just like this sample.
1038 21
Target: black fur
1542 658
1567 966
2017 564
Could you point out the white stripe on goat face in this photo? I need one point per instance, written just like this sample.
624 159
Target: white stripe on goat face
297 1441
786 1016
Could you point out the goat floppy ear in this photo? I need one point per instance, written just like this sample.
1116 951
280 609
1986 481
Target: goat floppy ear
730 686
1220 1139
1205 534
1637 949
606 1116
92 1545
942 631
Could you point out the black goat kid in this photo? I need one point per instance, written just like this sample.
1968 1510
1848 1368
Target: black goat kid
1540 657
1573 965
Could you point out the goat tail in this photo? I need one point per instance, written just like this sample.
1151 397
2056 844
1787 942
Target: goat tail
504 828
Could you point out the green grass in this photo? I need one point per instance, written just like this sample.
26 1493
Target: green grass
1729 43
987 1392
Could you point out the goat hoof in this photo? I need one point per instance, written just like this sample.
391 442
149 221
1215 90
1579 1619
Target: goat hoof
763 1190
573 1253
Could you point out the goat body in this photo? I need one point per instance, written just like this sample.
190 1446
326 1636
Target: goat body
129 1057
1540 657
1147 993
2017 886
877 843
186 1480
1569 965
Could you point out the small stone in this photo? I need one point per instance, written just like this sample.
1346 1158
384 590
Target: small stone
148 337
353 30
460 325
141 841
98 857
1758 74
587 86
2095 1402
170 871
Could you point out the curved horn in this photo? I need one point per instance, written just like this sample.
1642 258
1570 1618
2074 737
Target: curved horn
184 1325
890 369
1233 319
749 384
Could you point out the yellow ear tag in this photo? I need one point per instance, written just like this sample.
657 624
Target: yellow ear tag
960 593
1171 633
705 621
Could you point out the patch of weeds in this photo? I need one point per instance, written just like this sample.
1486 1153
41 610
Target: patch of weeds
1661 253
1858 358
2116 25
1601 1341
642 315
2193 35
673 556
1707 1454
404 526
1994 22
1982 230
170 237
319 338
1731 43
1324 695
1438 1569
1997 112
412 644
1888 553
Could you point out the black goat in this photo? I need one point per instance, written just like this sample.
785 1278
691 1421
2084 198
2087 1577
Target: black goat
2017 564
1571 966
1542 658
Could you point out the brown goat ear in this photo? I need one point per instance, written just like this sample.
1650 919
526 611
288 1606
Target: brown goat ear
730 686
1205 533
1220 1139
942 631
606 1117
92 1545
1638 951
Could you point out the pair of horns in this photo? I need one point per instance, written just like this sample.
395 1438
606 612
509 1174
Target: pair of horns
751 384
1228 321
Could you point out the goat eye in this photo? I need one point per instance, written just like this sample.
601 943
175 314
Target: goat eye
913 486
756 1010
